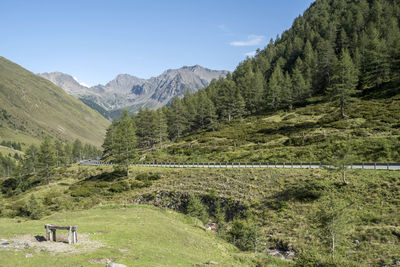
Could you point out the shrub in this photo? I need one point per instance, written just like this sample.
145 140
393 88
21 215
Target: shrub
196 209
245 234
119 187
140 184
34 208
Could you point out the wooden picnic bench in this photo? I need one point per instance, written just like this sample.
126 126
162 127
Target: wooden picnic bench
51 232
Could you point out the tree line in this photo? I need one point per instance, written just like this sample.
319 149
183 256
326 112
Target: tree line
40 161
335 50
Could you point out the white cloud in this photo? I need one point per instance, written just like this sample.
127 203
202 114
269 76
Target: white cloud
250 54
253 40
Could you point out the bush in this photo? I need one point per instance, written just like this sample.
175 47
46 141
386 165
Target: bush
140 184
245 234
120 187
34 208
196 209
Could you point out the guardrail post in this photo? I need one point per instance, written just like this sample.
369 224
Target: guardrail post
275 164
363 165
310 165
374 165
292 164
284 165
387 164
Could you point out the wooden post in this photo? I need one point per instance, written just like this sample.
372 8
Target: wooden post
53 231
69 235
46 226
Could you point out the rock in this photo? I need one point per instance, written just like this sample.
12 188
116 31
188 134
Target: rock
212 263
28 255
115 265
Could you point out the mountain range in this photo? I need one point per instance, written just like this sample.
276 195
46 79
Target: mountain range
130 92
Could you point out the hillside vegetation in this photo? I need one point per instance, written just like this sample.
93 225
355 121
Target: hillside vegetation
285 204
314 133
32 107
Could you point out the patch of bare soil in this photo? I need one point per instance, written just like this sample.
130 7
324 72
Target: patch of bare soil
39 243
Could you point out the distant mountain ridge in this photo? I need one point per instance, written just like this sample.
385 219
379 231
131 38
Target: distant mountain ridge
130 92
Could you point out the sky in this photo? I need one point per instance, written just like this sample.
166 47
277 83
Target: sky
95 40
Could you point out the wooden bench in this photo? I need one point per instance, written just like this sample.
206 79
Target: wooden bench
51 232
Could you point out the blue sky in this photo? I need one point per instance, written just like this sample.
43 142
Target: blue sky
95 40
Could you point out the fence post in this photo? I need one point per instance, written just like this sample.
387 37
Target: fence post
387 164
374 165
275 164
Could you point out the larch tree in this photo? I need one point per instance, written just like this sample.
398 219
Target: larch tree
125 144
344 81
47 158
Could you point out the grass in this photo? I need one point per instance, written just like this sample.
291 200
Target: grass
32 107
285 201
132 235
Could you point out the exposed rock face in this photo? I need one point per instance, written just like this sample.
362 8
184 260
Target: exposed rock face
130 92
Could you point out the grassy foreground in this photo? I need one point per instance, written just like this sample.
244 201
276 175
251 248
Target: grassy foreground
136 235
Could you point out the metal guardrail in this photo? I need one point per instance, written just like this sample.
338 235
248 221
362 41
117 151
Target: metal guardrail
367 166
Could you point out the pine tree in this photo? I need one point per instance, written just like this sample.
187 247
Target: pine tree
344 81
30 162
161 129
273 94
376 62
47 158
77 150
60 155
109 142
124 147
301 90
177 122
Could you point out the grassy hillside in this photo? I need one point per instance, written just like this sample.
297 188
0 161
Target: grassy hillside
32 107
313 133
285 201
131 235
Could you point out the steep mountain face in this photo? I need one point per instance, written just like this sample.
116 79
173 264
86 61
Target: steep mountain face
130 92
32 107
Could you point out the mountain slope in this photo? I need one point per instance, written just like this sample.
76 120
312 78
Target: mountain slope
32 107
126 91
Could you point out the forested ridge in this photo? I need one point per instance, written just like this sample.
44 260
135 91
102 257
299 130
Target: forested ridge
336 50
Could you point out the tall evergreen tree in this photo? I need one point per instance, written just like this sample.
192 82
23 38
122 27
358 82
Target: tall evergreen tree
47 158
77 150
124 148
344 81
177 122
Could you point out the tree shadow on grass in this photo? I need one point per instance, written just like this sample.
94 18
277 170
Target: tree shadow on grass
107 176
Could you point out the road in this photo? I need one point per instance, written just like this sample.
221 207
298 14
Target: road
367 166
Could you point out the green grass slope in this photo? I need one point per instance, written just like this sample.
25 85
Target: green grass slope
32 107
131 235
312 133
